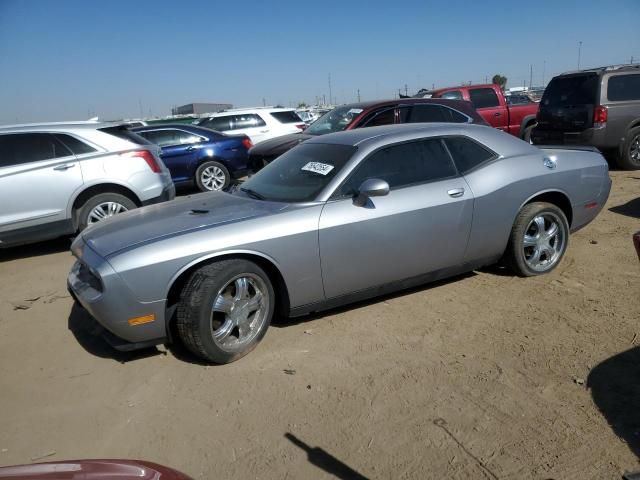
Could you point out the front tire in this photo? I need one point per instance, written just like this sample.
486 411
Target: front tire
629 157
102 206
225 310
538 240
212 176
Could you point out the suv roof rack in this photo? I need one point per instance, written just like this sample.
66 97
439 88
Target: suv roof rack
606 68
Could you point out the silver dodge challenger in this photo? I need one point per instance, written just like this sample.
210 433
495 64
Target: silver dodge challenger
337 219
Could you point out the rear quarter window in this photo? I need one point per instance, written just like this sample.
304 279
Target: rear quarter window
76 146
286 117
468 154
123 133
484 98
623 87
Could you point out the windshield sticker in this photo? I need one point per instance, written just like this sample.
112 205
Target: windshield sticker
355 111
317 167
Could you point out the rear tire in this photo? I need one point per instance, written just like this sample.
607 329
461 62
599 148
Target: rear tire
212 176
538 241
225 309
629 158
526 134
101 206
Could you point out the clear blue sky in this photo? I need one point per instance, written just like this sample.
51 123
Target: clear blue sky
62 60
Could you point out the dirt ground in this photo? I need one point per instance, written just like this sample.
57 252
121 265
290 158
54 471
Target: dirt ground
482 376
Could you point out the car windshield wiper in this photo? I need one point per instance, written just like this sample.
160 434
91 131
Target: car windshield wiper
252 193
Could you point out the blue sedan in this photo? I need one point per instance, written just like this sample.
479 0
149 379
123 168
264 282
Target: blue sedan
199 155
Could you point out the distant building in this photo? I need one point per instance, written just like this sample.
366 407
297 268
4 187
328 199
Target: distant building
198 108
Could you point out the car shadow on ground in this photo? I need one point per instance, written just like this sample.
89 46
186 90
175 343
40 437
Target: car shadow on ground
615 389
629 209
48 247
324 460
280 322
88 332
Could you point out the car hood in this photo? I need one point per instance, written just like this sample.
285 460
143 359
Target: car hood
279 145
182 215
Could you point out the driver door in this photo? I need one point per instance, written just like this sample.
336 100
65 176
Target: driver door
421 226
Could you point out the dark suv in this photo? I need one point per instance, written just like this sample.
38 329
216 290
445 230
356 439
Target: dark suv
598 107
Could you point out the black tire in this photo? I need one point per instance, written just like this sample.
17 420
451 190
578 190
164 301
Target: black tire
520 257
214 185
526 134
197 321
84 213
630 149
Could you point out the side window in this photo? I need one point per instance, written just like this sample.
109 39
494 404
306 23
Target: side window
623 87
403 165
19 148
76 146
169 137
221 124
246 121
452 95
426 113
484 98
468 154
385 117
453 116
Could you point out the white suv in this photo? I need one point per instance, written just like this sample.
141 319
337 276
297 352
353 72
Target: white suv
259 124
56 179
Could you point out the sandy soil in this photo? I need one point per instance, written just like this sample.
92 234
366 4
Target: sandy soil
483 376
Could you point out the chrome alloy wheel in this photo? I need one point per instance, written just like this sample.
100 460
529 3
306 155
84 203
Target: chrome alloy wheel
213 178
634 149
105 210
544 241
239 311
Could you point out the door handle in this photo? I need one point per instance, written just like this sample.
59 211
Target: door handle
497 114
456 192
190 148
264 131
64 166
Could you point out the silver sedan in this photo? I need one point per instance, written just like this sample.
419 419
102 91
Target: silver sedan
340 218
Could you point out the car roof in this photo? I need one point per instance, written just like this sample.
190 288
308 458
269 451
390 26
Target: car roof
235 111
58 126
606 69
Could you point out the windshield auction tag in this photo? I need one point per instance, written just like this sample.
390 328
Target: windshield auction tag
317 167
355 110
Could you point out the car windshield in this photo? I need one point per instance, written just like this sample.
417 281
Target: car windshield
300 174
334 121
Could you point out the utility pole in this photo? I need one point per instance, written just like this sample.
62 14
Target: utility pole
406 90
486 79
140 105
358 95
324 99
433 86
330 94
631 61
579 52
530 75
264 102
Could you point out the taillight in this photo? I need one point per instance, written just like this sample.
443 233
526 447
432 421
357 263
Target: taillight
247 143
147 156
301 126
600 115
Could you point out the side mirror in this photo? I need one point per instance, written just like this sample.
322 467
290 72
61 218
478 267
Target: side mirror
372 187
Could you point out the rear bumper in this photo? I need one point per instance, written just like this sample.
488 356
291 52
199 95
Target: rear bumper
595 137
169 193
94 284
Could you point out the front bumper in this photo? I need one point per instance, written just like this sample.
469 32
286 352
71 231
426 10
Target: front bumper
100 290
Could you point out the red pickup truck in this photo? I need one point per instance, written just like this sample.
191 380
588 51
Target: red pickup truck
490 103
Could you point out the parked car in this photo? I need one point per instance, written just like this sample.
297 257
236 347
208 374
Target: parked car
490 102
307 116
92 470
368 114
199 155
259 124
340 218
59 178
599 107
